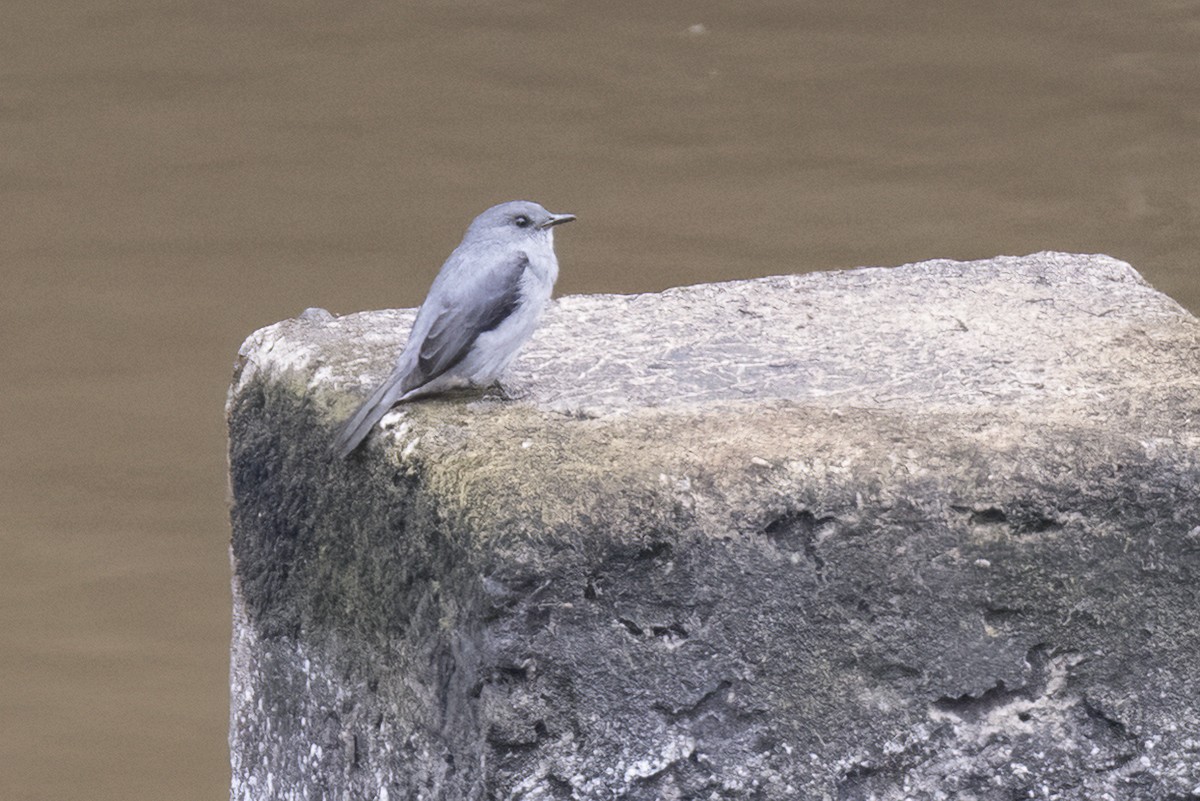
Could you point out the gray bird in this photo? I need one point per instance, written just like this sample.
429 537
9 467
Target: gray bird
482 307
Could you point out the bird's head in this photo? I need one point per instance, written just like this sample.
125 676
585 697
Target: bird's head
517 221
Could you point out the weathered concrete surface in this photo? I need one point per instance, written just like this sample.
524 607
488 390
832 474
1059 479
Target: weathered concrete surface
924 532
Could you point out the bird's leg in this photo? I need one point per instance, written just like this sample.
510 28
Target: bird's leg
505 393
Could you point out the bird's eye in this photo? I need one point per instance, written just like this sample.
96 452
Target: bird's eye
522 221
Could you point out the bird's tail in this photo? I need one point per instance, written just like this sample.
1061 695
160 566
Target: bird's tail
359 425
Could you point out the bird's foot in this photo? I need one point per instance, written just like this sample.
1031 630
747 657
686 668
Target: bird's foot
499 391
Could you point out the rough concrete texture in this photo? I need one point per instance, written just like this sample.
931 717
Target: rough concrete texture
930 532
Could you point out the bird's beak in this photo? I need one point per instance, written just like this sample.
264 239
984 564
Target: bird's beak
557 219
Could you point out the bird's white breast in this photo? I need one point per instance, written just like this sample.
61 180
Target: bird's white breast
494 350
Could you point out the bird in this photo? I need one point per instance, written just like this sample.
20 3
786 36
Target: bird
483 306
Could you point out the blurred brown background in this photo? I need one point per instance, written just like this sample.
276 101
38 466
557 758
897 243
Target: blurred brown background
174 175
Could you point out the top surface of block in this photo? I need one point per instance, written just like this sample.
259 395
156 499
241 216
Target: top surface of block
1048 332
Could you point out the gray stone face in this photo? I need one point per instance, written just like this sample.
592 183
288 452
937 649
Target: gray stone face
924 532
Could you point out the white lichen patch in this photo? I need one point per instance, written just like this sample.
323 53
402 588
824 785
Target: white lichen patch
675 749
1018 714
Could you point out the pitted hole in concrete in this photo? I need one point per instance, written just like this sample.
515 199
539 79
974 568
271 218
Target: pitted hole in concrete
800 532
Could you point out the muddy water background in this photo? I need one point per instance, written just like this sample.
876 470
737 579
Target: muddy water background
174 175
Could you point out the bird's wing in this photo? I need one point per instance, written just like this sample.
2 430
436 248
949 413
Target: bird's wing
462 308
472 307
